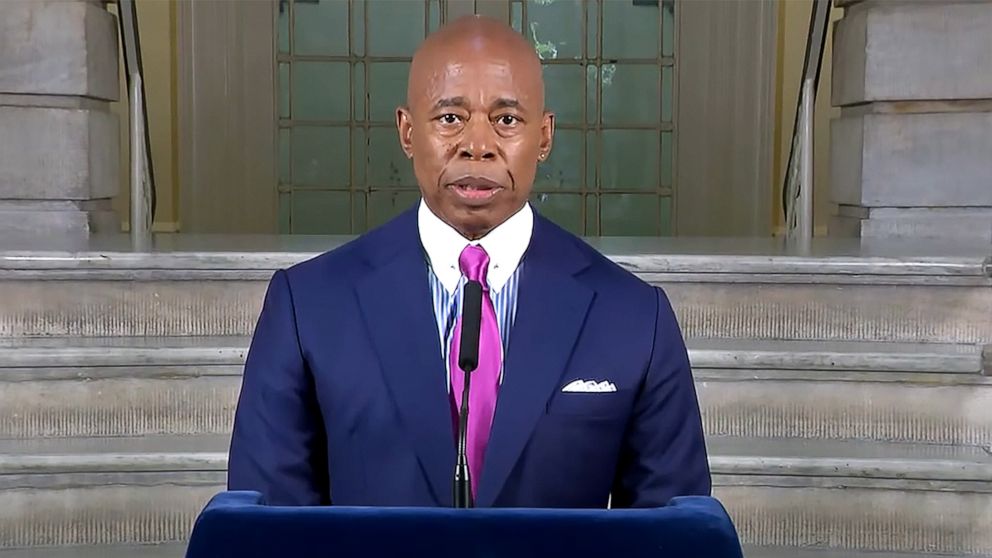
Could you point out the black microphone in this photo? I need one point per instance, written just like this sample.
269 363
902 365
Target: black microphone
468 361
468 346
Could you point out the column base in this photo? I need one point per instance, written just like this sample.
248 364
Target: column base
70 218
972 223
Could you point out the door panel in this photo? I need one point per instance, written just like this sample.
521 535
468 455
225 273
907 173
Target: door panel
664 112
611 171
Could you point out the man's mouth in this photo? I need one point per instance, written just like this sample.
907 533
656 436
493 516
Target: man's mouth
475 189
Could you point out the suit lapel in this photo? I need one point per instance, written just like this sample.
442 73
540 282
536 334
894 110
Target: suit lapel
395 299
551 309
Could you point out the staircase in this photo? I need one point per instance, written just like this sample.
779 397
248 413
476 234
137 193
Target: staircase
844 393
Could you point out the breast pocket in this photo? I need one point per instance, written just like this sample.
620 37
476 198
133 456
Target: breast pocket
606 405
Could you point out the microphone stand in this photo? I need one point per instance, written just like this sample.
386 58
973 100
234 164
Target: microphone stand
468 361
463 480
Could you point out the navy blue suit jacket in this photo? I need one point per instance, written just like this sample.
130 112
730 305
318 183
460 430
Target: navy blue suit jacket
345 400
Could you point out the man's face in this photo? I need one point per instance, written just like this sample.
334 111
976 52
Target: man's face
476 129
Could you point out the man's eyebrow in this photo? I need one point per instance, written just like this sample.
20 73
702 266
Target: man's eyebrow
449 102
504 102
501 103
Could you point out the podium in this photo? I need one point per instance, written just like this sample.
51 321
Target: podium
239 524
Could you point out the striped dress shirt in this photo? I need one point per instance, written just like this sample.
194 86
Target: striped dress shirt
505 246
447 308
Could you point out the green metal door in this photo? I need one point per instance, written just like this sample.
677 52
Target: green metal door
610 76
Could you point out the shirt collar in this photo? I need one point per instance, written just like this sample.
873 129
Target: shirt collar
505 245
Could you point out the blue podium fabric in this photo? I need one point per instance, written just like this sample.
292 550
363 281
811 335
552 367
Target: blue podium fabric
238 524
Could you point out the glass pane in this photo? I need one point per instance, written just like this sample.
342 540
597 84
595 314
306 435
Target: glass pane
383 206
665 217
388 165
592 215
563 209
285 210
556 28
667 92
283 90
359 210
630 95
321 212
629 160
563 169
358 159
320 27
592 94
285 176
668 28
358 75
629 214
434 15
667 160
320 156
517 17
387 89
592 160
283 26
357 27
630 30
395 27
563 85
592 29
320 91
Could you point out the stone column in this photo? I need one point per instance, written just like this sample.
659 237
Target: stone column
59 143
911 154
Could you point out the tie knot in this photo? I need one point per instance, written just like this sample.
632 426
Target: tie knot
474 264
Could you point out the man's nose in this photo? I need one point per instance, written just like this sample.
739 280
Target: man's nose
479 142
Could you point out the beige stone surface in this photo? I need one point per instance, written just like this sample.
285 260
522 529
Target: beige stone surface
55 47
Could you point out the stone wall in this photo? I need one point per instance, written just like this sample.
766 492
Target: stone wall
59 143
911 154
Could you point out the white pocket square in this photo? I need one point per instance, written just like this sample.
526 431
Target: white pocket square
589 386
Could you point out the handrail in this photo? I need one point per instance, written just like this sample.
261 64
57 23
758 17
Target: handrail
141 211
142 187
797 192
801 229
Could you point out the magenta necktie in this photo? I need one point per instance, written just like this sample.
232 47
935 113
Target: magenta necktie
474 263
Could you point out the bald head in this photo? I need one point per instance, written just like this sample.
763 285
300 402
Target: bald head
473 38
474 123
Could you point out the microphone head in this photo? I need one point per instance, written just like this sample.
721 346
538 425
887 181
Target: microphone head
468 353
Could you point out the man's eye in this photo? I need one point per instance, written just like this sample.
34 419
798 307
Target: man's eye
507 120
450 118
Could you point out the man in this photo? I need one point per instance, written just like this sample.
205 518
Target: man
583 389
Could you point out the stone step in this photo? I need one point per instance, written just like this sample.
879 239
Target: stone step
751 551
747 289
106 491
856 496
924 393
76 387
179 550
756 355
783 494
119 387
173 550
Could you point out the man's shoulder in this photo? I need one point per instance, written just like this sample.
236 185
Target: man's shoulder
330 263
601 270
348 262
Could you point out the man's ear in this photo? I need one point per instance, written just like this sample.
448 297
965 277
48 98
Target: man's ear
404 125
547 135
